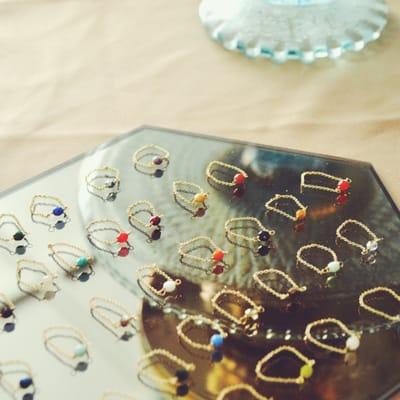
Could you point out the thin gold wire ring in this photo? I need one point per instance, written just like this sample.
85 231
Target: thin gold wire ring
241 387
160 161
342 187
110 188
301 212
391 292
169 285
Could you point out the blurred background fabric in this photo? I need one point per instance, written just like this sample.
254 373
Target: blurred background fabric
74 73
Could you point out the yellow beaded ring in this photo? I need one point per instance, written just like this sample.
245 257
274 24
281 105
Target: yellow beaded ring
49 211
249 318
14 242
114 317
260 242
151 159
179 382
331 268
216 340
352 341
241 387
301 211
219 168
370 248
306 371
76 262
43 288
104 183
373 310
151 226
342 186
191 197
168 286
108 236
15 377
294 287
214 264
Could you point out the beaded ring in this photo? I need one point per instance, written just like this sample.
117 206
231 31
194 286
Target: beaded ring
24 384
76 262
213 264
7 308
239 388
43 289
301 212
391 292
306 371
49 211
216 340
118 245
191 197
110 183
103 310
79 357
179 381
248 320
342 187
371 246
158 163
169 285
332 267
238 181
294 287
17 242
150 227
261 241
352 342
116 395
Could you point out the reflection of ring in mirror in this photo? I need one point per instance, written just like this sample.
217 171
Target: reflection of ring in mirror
301 211
179 381
214 264
49 211
76 262
241 387
259 243
108 236
16 378
114 317
151 226
7 315
77 356
44 288
191 197
14 241
151 160
109 183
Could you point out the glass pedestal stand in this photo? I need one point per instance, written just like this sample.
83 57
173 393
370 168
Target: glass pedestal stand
294 29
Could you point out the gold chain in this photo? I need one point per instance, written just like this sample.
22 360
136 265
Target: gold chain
93 175
40 197
300 213
312 267
210 170
241 387
154 270
55 248
373 310
183 248
35 266
131 211
303 184
16 222
255 221
115 226
199 197
143 151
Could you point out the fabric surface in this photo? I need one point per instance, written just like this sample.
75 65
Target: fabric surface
76 73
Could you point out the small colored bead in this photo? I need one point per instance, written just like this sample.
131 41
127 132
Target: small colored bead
122 237
218 269
123 251
200 212
169 286
58 211
157 160
342 199
18 236
59 225
182 375
217 340
6 312
182 390
155 220
125 321
158 173
239 179
301 214
353 343
25 382
343 186
156 234
111 196
81 366
218 255
9 327
200 197
334 266
306 371
20 250
217 356
238 191
372 245
84 277
80 350
263 250
263 236
28 396
82 262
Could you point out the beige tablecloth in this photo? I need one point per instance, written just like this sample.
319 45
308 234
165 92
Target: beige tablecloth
76 73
